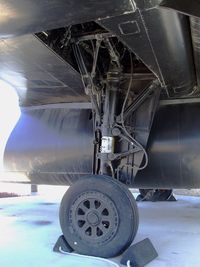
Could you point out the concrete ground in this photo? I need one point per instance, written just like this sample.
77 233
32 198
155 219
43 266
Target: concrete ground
29 228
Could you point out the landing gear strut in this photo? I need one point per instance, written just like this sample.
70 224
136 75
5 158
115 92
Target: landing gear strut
98 214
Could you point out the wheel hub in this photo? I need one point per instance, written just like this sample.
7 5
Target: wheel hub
94 218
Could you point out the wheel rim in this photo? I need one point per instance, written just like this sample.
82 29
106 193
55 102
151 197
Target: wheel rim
94 218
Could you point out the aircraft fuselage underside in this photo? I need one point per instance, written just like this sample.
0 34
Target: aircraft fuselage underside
113 92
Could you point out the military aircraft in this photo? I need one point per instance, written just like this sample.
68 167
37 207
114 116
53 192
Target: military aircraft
110 99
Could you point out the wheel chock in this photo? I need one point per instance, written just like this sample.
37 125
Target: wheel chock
62 245
139 254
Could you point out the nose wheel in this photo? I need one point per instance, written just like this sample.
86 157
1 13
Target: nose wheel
98 216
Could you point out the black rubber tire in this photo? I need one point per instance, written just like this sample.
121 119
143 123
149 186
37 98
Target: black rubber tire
126 208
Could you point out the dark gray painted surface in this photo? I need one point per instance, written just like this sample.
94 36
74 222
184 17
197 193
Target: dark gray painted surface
174 148
52 146
38 75
20 17
56 147
162 40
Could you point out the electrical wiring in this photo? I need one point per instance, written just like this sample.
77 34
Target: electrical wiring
122 120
